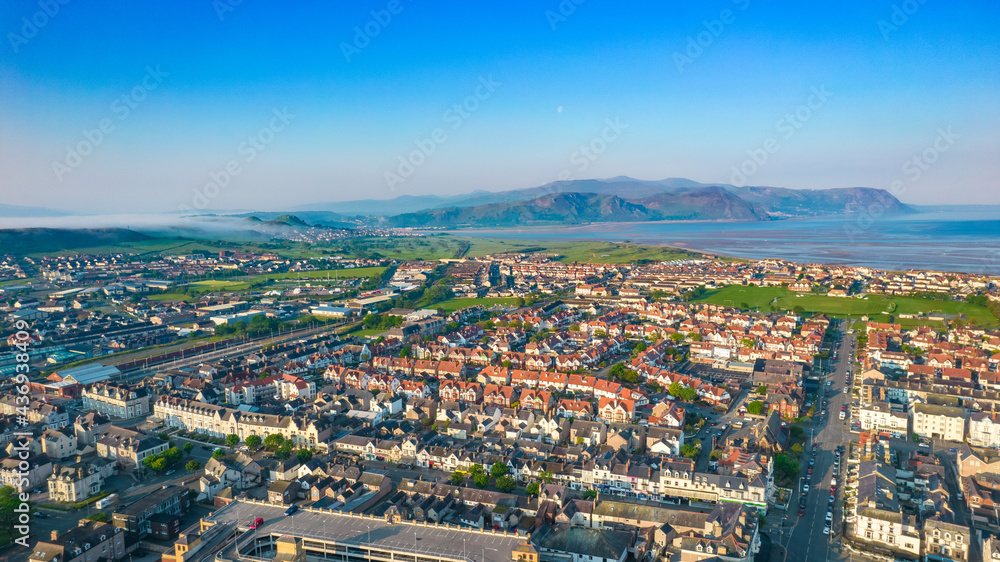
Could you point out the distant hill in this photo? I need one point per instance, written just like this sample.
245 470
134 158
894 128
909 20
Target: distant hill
627 199
708 203
287 220
34 240
781 201
666 199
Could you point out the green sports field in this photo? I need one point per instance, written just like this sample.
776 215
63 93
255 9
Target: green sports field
877 307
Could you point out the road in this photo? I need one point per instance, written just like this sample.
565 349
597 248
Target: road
803 536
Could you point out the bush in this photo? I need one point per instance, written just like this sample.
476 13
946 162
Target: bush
755 407
481 480
506 484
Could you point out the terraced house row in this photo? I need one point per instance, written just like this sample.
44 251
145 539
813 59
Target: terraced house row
219 421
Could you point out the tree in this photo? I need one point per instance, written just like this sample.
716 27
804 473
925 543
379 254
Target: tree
253 442
786 470
457 478
159 465
546 476
689 394
640 347
187 448
218 454
406 352
481 480
589 494
232 439
762 390
677 337
282 454
715 455
192 466
532 490
499 469
755 407
274 441
506 484
100 517
304 455
476 469
690 451
675 389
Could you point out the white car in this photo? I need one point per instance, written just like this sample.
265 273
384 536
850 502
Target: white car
826 530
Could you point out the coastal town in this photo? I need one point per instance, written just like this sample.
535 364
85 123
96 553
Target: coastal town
534 408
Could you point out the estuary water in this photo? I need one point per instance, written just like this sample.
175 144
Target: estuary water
962 241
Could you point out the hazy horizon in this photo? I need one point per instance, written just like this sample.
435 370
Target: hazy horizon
226 105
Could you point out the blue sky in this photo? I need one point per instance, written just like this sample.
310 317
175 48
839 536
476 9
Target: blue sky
330 114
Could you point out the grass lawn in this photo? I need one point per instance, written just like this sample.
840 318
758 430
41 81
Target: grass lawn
367 333
579 251
877 307
24 281
220 285
172 297
455 304
322 274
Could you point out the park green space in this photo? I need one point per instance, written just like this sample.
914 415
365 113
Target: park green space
452 305
876 307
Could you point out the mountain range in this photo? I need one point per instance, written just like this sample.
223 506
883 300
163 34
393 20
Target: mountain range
624 199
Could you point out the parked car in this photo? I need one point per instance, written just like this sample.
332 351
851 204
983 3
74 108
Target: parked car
256 522
826 530
805 489
291 509
802 511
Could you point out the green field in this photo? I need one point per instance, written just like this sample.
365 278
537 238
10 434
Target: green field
24 281
177 246
333 274
172 297
579 251
877 307
455 304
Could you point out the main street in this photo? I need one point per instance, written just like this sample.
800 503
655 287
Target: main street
803 536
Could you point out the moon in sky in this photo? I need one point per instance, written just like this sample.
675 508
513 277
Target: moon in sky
559 109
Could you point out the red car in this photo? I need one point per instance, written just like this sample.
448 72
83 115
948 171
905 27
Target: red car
802 511
256 522
809 472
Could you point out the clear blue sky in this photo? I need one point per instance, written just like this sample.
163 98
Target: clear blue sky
554 82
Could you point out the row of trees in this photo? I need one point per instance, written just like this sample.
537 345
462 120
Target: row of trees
502 479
